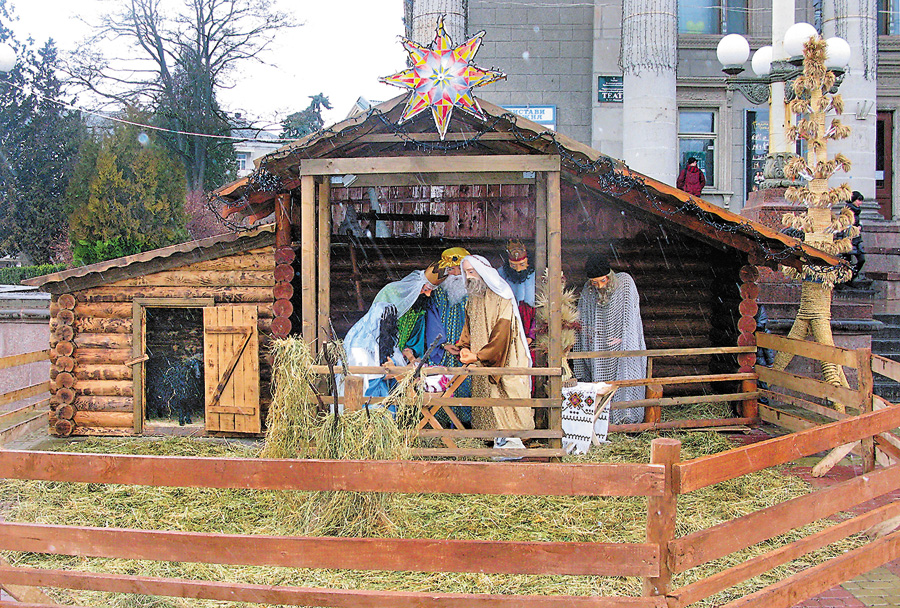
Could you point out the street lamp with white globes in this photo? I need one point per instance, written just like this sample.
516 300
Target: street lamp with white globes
775 67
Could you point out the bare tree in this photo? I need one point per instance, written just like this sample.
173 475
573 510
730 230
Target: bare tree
177 57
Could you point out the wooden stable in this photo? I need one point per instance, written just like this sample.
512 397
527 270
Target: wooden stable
101 351
693 263
567 200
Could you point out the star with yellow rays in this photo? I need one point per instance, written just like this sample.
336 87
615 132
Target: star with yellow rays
442 78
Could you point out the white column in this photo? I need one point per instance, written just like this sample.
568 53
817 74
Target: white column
856 22
782 19
649 109
425 16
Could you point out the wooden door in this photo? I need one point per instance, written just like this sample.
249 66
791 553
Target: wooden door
231 363
884 163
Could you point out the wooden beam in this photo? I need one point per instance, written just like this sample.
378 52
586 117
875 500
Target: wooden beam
808 348
707 470
540 228
486 452
808 386
323 262
663 352
15 360
642 427
866 383
433 370
25 593
886 367
399 138
24 393
661 515
428 164
526 479
307 596
389 554
554 296
439 179
308 289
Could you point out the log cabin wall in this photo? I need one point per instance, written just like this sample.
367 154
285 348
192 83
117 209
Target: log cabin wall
92 336
688 288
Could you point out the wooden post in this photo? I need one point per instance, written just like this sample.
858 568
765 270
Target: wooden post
653 413
284 256
137 371
866 383
353 393
747 336
324 261
661 514
308 258
554 296
540 227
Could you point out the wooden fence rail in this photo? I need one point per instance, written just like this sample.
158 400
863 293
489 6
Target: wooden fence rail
30 416
388 554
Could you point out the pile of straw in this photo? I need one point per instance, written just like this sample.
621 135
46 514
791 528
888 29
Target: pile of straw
297 428
410 516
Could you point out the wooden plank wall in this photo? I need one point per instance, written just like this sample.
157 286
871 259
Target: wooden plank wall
99 343
686 301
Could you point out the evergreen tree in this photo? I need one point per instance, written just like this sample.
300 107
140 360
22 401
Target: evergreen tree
126 196
39 141
300 124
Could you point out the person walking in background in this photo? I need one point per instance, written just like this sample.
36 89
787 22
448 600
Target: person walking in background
691 178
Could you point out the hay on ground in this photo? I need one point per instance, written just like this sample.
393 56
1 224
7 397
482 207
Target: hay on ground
602 519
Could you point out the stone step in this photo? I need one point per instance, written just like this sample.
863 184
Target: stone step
891 393
887 333
888 319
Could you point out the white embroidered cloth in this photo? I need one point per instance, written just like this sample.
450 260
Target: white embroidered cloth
579 409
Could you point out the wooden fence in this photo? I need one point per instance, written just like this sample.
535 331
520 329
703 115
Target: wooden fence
656 388
656 560
384 554
23 419
655 400
435 402
797 402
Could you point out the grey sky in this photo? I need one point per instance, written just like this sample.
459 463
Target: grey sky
341 50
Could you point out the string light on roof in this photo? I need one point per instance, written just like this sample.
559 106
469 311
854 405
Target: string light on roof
442 78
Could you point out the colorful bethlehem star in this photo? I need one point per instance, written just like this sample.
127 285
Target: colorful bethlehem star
442 78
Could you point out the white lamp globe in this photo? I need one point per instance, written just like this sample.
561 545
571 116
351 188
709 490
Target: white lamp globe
7 57
733 50
796 36
762 61
837 53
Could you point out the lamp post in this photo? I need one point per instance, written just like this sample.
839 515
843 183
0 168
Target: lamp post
776 66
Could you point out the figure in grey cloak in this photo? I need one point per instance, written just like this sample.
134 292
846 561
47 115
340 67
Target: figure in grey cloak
610 315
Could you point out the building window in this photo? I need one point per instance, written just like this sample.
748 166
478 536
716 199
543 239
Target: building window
889 17
707 17
243 160
697 139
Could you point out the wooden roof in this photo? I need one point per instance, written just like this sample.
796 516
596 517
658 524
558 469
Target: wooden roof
148 262
376 134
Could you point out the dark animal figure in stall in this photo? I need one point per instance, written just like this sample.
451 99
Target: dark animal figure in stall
183 387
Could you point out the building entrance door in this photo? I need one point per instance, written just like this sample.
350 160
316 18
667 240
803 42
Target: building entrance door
884 163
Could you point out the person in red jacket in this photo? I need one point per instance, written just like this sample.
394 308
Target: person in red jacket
691 178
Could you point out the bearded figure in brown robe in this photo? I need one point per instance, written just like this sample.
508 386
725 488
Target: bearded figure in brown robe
493 336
